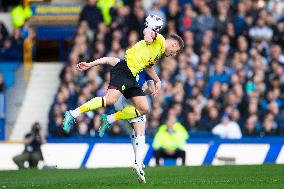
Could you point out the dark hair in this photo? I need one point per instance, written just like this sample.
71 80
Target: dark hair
179 40
36 127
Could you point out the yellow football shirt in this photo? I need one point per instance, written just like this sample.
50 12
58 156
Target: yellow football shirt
142 55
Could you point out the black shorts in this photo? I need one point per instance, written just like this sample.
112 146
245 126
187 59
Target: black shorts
122 79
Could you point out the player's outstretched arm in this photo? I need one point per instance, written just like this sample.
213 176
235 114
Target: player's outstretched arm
112 61
151 72
149 36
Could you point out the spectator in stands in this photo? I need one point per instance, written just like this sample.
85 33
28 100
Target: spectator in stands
118 130
32 152
261 34
222 18
11 46
227 129
252 126
204 22
239 20
6 5
4 39
185 20
170 140
17 42
20 14
120 19
109 8
91 14
12 49
83 129
4 34
116 50
278 31
269 125
137 19
2 84
210 118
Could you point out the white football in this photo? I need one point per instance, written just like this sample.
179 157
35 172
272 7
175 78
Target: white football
154 23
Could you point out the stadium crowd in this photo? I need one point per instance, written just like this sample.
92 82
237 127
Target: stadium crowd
11 43
230 74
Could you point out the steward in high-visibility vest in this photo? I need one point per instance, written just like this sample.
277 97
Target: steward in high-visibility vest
171 139
105 6
20 14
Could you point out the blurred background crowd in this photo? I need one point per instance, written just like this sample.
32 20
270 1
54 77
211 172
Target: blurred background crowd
229 80
11 42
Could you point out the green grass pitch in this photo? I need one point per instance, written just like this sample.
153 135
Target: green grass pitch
227 177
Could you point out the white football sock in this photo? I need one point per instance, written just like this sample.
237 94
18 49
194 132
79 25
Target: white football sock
110 118
75 113
139 142
133 139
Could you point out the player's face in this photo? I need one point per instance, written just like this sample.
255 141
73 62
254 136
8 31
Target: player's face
172 49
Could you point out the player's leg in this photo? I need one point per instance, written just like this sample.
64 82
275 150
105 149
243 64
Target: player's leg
140 108
137 127
121 103
139 138
118 79
132 136
138 143
110 98
137 132
129 112
141 104
129 87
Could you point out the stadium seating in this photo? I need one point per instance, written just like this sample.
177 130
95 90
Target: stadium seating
8 69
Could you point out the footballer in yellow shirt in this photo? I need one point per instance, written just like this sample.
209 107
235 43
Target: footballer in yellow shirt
143 55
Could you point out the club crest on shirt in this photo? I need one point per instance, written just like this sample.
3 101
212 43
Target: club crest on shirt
123 87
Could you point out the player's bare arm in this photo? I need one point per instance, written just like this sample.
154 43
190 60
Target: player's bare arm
112 61
149 87
149 36
152 73
153 24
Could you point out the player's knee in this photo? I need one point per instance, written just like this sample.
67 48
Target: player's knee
144 110
110 101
